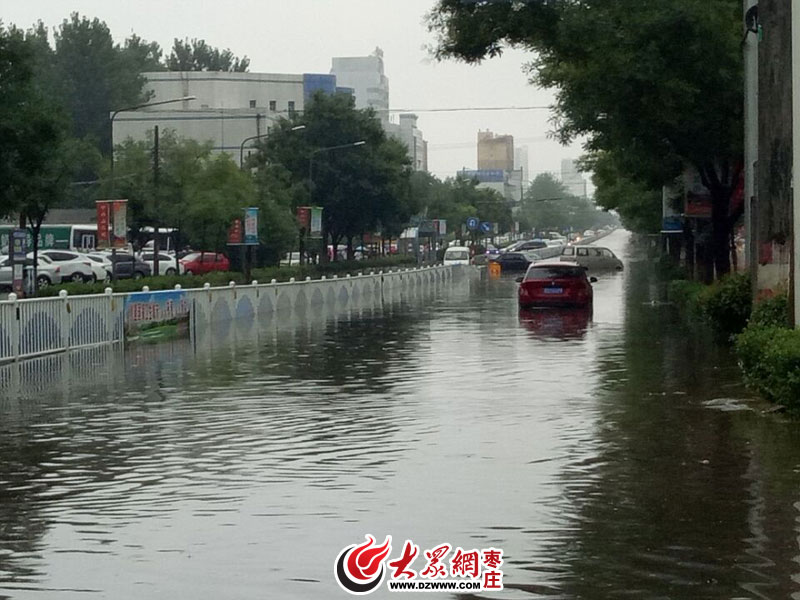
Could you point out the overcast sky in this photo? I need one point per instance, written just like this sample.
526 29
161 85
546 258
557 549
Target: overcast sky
301 36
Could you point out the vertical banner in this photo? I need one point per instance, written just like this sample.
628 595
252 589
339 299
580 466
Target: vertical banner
235 232
316 220
304 217
442 226
119 232
103 224
251 226
19 252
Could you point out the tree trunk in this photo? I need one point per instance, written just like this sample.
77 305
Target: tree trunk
323 257
350 253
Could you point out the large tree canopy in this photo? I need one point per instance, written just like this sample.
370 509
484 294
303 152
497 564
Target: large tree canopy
658 84
199 56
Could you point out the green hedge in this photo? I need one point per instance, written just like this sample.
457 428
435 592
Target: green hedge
771 312
770 360
725 305
217 278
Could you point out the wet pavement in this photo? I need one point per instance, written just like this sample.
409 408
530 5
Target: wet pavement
611 454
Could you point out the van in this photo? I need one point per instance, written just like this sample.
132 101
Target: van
456 255
592 257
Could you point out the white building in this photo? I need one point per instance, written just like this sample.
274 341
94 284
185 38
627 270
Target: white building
365 76
521 161
229 107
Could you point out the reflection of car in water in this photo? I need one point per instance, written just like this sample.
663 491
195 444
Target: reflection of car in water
556 322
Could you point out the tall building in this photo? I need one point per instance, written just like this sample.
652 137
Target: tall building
495 152
229 107
572 178
364 74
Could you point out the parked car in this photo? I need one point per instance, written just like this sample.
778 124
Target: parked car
198 263
101 265
593 258
456 255
166 263
130 267
47 273
75 266
555 283
512 261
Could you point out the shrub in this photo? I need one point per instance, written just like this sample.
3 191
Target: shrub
727 304
685 295
771 312
770 360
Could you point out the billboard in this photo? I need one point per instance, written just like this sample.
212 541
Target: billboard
103 224
316 220
251 226
235 232
304 217
485 175
119 223
151 314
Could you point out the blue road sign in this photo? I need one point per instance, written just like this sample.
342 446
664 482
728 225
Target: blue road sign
486 227
472 223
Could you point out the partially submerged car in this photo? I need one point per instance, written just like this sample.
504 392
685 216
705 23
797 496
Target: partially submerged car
555 283
594 258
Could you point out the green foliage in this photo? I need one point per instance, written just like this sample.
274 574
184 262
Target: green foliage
199 56
727 304
655 84
771 312
770 360
361 188
548 204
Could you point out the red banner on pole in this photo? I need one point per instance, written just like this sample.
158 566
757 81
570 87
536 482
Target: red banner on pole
236 233
103 224
304 217
119 234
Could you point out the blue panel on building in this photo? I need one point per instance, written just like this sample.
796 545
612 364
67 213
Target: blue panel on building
313 82
346 90
485 175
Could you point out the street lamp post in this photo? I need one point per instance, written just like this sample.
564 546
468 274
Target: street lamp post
311 188
255 137
113 180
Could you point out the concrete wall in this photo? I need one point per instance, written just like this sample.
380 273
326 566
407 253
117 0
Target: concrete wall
772 210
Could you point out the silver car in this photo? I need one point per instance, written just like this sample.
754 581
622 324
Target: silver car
47 273
594 258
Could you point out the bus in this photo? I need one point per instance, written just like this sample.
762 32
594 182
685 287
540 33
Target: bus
80 238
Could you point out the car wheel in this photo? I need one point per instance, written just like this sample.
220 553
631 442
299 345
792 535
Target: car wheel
43 281
138 274
170 271
76 277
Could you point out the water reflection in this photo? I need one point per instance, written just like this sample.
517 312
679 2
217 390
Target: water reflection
596 449
556 323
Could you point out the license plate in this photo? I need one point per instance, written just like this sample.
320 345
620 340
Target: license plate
553 290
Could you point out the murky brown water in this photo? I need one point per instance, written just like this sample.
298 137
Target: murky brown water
609 455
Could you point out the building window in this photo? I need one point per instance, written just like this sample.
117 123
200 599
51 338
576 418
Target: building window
291 106
252 103
273 106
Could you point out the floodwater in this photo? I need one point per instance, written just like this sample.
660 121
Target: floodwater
609 455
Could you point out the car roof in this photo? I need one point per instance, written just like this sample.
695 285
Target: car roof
457 248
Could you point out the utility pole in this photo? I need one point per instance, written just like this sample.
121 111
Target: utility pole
750 50
156 270
795 277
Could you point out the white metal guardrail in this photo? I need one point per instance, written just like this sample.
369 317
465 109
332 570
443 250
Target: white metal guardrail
37 327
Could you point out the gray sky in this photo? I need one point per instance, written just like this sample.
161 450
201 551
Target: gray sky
301 36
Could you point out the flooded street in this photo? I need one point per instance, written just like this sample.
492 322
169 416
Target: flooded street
609 455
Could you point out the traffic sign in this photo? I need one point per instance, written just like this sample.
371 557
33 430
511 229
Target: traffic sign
472 223
486 227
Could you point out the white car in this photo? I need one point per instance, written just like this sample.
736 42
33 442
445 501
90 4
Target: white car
101 265
166 263
456 255
47 272
74 265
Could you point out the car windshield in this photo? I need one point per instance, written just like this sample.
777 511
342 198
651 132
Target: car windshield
554 272
456 255
192 256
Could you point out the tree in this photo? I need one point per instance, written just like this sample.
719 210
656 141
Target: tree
658 84
361 188
548 205
95 76
199 56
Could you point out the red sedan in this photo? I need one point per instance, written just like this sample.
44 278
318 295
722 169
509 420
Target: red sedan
198 263
555 283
